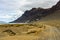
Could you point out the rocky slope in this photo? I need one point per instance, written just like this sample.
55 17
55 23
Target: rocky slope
36 14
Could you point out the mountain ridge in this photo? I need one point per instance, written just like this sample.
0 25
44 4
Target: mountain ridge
36 14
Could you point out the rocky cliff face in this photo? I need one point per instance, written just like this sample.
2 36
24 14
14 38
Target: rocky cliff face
36 14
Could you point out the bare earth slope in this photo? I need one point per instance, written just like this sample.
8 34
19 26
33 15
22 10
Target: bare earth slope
52 19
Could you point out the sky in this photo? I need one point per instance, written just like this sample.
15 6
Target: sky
10 10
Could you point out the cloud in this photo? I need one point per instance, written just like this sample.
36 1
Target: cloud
5 16
12 9
39 3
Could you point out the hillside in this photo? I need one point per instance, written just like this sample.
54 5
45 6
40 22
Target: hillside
36 14
52 17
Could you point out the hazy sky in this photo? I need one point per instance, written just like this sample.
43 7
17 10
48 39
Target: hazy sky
12 9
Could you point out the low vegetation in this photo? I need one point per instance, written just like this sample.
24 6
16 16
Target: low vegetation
33 31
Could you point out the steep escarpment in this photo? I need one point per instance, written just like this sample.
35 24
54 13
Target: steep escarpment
36 14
